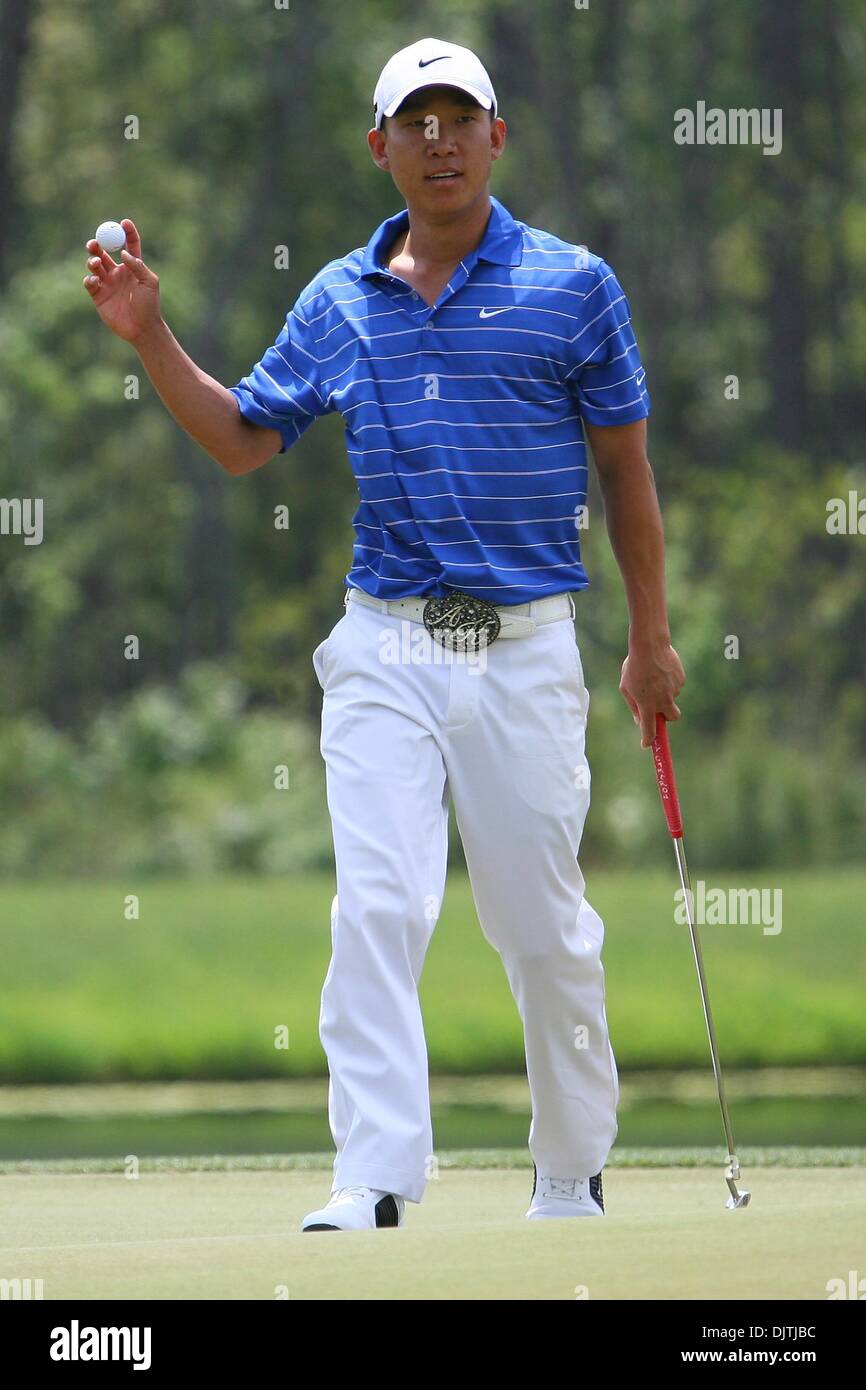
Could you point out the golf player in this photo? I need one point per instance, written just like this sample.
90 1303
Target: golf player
472 357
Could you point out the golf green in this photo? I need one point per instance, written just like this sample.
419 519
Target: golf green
233 1234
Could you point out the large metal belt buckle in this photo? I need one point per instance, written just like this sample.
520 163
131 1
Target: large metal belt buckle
462 623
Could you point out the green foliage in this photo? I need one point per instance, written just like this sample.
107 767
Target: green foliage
180 780
252 137
170 780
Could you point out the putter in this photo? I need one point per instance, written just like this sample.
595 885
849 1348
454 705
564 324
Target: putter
670 803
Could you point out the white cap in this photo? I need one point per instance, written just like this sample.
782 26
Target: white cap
430 63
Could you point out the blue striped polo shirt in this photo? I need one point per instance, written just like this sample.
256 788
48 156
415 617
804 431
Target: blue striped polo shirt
463 419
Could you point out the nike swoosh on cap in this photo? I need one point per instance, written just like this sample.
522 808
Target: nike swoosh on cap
425 62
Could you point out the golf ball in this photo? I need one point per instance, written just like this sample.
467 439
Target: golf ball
111 236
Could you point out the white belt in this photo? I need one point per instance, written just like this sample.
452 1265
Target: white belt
516 620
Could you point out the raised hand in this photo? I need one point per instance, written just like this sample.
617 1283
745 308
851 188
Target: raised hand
125 296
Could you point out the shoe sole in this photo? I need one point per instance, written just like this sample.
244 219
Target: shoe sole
320 1226
562 1215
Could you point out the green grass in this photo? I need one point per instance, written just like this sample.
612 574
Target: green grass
780 1120
233 1234
198 984
793 1156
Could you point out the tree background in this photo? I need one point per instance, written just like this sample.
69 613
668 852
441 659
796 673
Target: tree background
252 123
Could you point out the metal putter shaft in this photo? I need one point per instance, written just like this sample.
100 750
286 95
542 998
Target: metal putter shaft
670 803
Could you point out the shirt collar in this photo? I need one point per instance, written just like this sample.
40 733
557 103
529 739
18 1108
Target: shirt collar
502 242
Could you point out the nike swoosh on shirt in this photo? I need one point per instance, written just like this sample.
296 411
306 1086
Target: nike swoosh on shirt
639 378
488 313
425 62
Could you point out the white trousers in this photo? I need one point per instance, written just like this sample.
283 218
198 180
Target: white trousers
407 727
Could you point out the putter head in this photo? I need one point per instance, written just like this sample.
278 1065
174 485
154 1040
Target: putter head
738 1199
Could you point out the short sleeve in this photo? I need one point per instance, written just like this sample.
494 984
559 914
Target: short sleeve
283 391
606 375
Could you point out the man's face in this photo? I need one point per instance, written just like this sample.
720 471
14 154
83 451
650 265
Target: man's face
438 129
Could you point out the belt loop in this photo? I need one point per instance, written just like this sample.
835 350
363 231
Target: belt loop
573 609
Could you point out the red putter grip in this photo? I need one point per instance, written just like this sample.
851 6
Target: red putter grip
664 767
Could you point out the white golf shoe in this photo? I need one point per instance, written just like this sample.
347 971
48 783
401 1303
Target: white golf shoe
566 1197
356 1209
